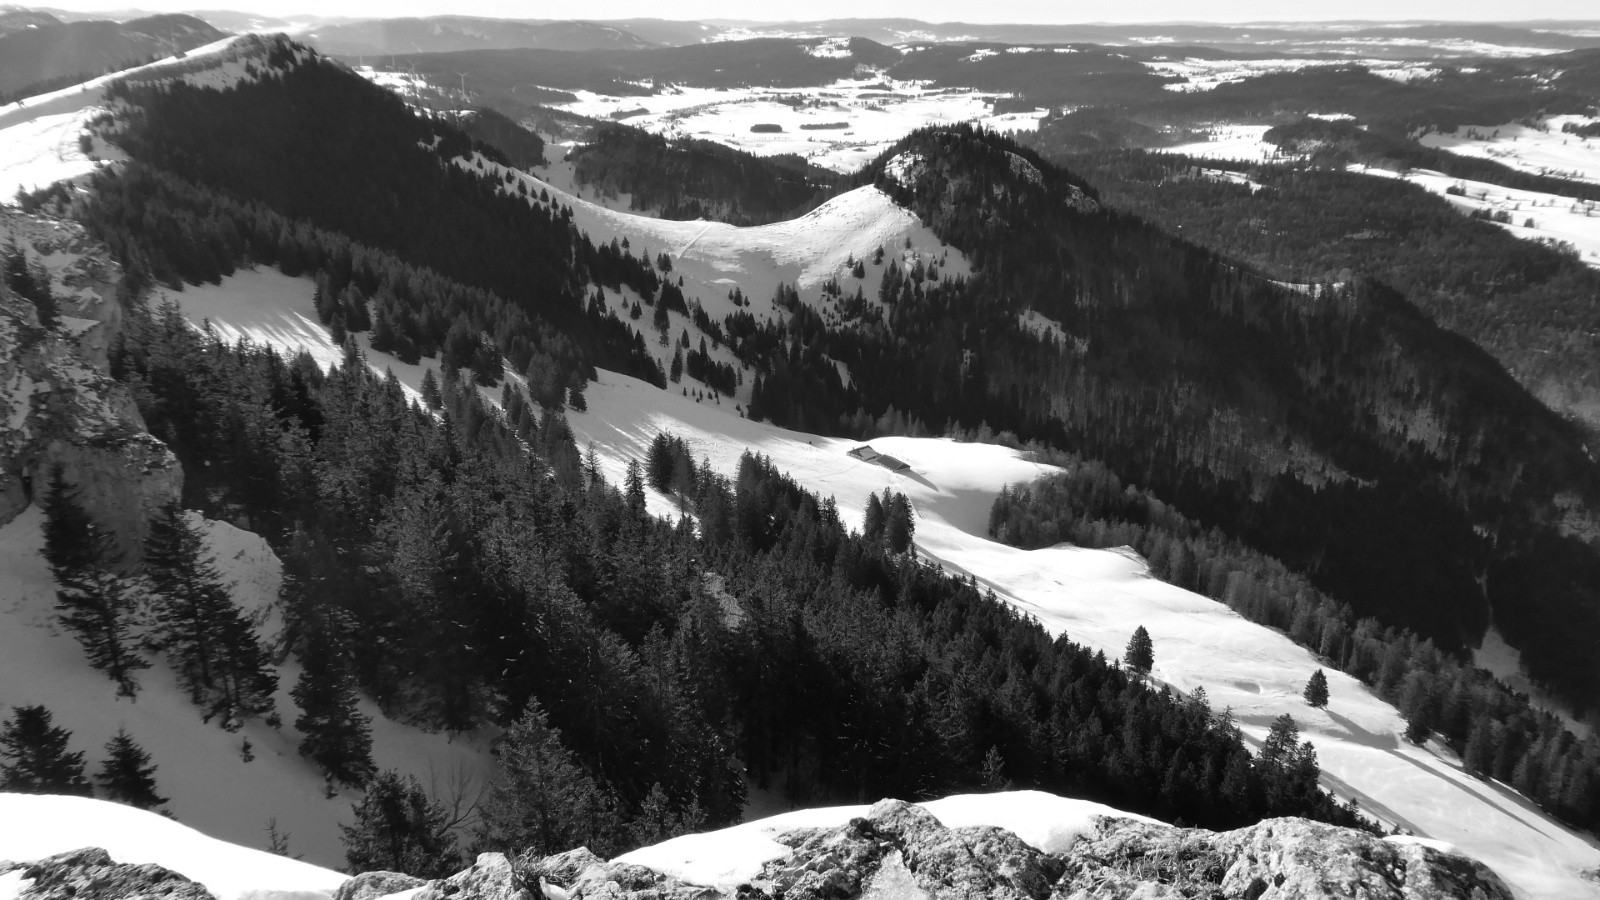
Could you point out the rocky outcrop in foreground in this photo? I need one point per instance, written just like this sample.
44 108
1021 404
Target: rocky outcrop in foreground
90 874
899 851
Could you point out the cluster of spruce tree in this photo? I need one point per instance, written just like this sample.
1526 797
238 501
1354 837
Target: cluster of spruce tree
174 601
29 280
462 573
1293 424
35 759
693 179
1498 733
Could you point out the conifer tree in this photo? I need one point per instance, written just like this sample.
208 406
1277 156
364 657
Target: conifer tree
212 643
541 799
399 828
336 734
872 523
1316 693
1140 655
659 820
430 391
126 775
634 488
898 524
34 758
94 602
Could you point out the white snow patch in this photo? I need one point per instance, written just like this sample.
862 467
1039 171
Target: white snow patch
1553 217
198 765
876 111
39 135
1232 142
1543 149
33 826
1097 598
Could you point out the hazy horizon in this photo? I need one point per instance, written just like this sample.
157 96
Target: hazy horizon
1016 12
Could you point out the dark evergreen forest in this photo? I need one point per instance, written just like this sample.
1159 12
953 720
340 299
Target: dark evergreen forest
465 566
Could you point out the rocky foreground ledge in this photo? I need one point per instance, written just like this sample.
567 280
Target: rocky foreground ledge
899 851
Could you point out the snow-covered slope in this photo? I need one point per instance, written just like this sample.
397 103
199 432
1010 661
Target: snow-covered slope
713 257
1544 149
1096 597
1099 597
35 826
1534 215
39 135
201 767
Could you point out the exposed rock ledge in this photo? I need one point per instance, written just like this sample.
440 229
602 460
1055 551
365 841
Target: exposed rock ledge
899 851
91 874
58 402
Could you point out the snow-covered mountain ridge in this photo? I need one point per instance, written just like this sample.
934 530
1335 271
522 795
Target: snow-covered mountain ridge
1005 846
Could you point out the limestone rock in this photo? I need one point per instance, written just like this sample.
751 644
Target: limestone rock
491 877
372 885
58 402
899 851
91 872
1277 859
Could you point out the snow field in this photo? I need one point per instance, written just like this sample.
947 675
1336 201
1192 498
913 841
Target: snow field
1544 150
198 764
34 826
713 257
1098 597
39 135
1554 217
877 111
1232 142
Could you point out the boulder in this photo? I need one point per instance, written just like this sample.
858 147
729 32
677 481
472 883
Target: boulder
491 877
900 851
91 872
372 885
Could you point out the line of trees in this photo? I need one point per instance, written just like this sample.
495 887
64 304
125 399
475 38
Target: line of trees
35 759
1498 733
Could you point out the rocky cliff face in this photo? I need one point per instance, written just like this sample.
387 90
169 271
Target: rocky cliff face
899 851
58 402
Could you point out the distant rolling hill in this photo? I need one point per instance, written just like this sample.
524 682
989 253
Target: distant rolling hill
444 34
43 50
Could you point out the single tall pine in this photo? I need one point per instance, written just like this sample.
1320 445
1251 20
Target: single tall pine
1317 690
542 799
126 775
34 758
1140 655
95 603
336 734
212 643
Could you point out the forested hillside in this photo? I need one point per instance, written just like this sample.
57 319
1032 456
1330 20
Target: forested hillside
1534 307
49 54
695 179
467 567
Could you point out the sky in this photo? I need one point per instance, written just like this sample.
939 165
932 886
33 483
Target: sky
1050 11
